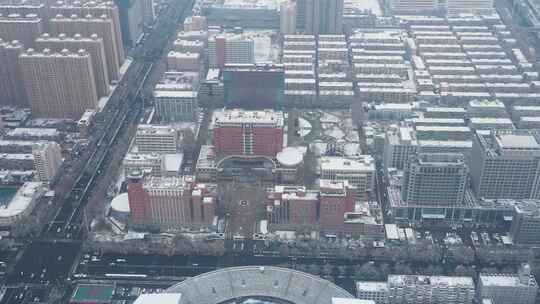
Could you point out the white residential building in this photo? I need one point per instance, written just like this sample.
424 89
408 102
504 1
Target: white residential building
359 172
47 160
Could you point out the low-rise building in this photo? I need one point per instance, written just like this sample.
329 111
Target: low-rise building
156 139
359 172
22 203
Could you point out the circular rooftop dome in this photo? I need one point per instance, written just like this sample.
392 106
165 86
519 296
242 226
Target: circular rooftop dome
290 157
120 203
252 281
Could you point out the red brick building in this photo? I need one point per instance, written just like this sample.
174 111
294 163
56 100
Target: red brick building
336 199
171 201
238 132
294 205
138 198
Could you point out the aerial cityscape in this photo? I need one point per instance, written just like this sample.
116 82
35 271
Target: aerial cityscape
269 151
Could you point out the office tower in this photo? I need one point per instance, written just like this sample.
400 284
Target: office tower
238 132
170 201
156 139
399 145
430 289
195 23
93 45
94 8
336 199
102 26
47 159
505 164
435 179
11 81
287 18
176 97
230 48
69 93
320 16
174 106
359 172
25 29
253 86
509 288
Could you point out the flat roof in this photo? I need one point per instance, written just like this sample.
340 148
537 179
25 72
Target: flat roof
34 132
155 130
21 200
236 116
365 163
430 280
500 280
161 298
173 162
351 301
371 286
514 141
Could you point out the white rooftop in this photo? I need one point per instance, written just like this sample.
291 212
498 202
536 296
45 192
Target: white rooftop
290 156
21 200
445 281
499 280
155 130
173 162
161 298
34 132
363 163
351 301
237 116
371 286
121 203
513 141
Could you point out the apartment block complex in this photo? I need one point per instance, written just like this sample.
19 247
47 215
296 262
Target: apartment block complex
11 81
103 26
418 289
93 45
24 29
67 95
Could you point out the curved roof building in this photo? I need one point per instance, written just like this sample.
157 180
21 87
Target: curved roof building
252 281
